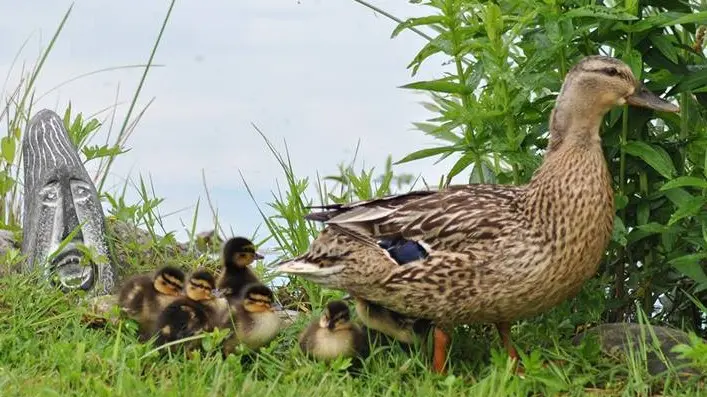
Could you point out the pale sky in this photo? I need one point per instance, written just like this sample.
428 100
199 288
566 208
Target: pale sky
319 74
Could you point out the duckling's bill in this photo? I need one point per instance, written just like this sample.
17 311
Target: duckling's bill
644 98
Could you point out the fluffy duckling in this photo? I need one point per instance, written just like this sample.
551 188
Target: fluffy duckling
199 311
143 297
334 335
238 253
256 322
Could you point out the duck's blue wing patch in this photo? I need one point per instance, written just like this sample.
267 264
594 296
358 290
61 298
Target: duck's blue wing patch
403 251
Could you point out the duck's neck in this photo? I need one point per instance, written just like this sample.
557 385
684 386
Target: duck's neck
575 121
574 156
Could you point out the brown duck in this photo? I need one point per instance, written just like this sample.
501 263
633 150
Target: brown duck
488 253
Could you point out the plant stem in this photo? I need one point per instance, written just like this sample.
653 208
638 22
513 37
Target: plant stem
619 275
464 97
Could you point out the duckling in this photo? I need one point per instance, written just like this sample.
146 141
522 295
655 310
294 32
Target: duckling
334 335
191 314
256 322
238 254
143 297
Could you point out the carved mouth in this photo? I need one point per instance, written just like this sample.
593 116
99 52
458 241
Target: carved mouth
70 273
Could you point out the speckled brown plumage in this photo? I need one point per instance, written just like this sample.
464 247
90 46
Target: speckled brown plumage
497 253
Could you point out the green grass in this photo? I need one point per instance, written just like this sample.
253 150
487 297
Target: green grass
46 349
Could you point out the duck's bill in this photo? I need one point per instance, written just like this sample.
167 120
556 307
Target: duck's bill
646 99
258 255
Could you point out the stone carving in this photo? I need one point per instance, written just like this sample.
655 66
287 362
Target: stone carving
61 203
618 339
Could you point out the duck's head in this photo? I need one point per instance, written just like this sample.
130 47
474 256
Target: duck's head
335 316
201 285
257 298
591 88
169 281
601 82
239 252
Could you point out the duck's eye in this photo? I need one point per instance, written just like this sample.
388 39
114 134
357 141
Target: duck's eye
611 71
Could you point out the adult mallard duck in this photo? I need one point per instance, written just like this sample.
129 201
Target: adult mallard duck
492 253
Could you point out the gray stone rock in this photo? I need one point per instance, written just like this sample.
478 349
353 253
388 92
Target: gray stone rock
7 241
619 339
62 211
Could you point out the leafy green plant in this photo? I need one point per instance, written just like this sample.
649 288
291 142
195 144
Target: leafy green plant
507 60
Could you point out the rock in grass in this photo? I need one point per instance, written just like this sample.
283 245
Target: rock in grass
616 339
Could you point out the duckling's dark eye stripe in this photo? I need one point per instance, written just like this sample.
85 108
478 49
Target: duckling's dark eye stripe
172 281
197 284
341 316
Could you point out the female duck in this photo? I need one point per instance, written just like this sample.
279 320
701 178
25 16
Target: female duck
492 253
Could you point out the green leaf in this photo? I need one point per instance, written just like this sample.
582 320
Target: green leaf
620 201
678 196
653 227
461 165
600 12
493 21
652 22
690 208
691 82
697 18
657 160
685 181
412 22
664 46
420 154
646 230
6 182
437 86
619 233
94 152
7 148
635 61
691 266
440 132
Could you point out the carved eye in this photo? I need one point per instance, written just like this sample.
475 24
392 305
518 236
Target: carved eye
80 190
49 195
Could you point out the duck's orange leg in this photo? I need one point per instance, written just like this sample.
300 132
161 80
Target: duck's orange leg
504 329
441 344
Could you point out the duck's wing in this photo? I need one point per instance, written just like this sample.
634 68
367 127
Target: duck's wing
366 209
440 218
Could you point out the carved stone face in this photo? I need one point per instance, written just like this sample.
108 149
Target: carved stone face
61 207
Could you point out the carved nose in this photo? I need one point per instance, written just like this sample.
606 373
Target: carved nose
69 219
